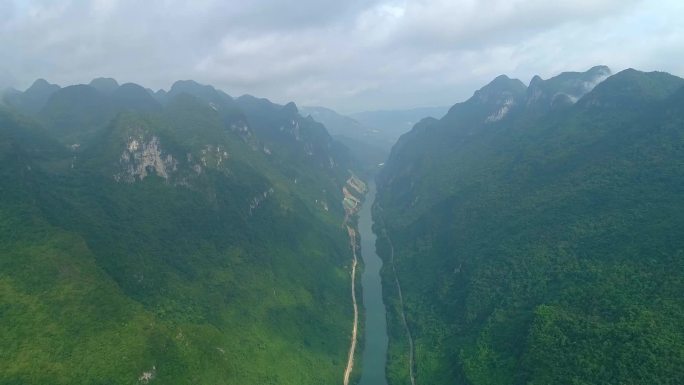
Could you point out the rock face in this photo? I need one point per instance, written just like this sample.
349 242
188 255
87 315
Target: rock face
353 191
259 199
501 113
213 156
141 158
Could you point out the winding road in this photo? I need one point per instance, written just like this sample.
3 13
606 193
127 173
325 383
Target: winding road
374 355
352 348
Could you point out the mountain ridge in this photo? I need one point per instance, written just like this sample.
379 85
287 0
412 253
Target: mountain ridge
533 248
173 242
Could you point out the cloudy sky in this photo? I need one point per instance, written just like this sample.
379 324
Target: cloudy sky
350 55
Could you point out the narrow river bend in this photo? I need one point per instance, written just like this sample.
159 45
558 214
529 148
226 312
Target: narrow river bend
374 355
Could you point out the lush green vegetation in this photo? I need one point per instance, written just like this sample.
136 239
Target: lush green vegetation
544 246
224 261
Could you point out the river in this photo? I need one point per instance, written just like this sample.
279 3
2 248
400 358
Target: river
375 340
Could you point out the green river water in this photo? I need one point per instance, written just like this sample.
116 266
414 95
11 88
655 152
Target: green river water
374 355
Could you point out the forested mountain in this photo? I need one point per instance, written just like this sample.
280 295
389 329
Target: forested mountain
536 232
371 134
171 237
367 145
338 124
33 99
391 124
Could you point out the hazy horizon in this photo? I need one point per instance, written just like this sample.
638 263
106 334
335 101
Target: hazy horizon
351 57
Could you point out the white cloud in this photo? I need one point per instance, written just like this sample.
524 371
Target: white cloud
350 55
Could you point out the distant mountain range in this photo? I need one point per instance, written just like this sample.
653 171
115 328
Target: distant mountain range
536 234
371 134
394 123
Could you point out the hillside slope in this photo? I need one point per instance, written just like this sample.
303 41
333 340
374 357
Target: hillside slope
191 240
537 234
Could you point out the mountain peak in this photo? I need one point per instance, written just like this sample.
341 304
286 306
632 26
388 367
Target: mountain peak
536 80
503 83
40 83
489 104
33 99
290 108
104 85
186 83
499 90
564 89
633 88
135 97
190 86
205 92
600 69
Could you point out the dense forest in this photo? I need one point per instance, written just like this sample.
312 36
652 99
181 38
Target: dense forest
182 236
538 234
324 192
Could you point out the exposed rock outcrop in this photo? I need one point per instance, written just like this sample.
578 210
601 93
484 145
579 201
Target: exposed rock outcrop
143 157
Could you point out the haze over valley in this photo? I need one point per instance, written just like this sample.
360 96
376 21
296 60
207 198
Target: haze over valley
355 193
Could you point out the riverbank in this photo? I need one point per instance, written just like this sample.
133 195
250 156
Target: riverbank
355 327
402 312
401 367
353 191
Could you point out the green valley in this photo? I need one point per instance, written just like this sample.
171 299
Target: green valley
341 192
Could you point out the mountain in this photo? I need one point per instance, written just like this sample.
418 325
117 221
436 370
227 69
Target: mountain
131 96
201 91
370 135
337 124
534 232
33 99
565 88
76 113
365 144
198 240
389 125
106 86
633 89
